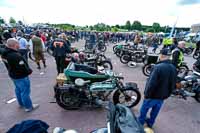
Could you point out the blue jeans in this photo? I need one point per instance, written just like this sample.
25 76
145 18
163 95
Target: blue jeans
155 106
22 91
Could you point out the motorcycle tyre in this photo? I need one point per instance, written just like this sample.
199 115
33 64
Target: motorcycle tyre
185 68
117 94
195 56
102 48
144 69
109 63
59 100
124 59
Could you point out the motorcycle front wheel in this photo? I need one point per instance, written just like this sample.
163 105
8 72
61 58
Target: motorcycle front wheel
128 97
189 51
107 65
67 100
102 48
146 69
195 55
124 59
183 70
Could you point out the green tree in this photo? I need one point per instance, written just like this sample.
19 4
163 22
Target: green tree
137 25
12 20
150 30
114 29
128 25
156 27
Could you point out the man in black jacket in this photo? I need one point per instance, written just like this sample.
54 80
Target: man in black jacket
18 70
159 87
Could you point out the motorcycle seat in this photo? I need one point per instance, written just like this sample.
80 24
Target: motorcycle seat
74 71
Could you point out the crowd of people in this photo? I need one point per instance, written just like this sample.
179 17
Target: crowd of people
158 88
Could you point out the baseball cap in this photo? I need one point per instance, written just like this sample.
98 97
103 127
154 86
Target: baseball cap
165 52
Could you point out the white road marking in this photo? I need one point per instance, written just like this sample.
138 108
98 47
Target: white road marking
11 100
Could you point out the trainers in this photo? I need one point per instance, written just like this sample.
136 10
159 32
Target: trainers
35 106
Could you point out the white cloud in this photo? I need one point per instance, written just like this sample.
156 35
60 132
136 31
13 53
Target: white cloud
89 12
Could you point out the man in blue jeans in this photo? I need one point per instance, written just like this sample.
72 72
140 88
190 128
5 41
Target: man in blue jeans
159 87
18 70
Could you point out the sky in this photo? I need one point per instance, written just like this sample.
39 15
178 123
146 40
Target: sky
112 12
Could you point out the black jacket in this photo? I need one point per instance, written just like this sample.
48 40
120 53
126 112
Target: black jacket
60 47
162 81
16 65
175 57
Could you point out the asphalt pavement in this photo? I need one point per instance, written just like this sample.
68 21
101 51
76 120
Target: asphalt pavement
176 116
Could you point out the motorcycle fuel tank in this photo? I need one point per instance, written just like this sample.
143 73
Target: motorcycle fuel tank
102 87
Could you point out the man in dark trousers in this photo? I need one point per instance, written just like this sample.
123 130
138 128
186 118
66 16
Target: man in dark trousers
60 48
18 70
159 87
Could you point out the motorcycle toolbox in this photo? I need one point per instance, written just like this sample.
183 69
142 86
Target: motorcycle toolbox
152 59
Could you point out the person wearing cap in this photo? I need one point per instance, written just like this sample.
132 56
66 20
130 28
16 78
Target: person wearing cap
177 54
23 45
159 87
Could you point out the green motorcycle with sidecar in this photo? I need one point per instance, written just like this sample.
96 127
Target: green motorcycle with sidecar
85 85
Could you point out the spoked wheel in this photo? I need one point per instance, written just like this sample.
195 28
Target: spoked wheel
128 97
68 100
125 58
183 70
195 55
197 97
107 65
102 48
114 48
189 51
146 69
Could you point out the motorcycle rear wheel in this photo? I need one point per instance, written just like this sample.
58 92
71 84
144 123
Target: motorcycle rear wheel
67 100
127 100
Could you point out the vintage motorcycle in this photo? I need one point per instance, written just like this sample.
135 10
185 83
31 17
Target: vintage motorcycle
132 57
85 85
100 45
188 86
151 60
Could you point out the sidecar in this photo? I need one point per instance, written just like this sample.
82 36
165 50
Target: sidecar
74 71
